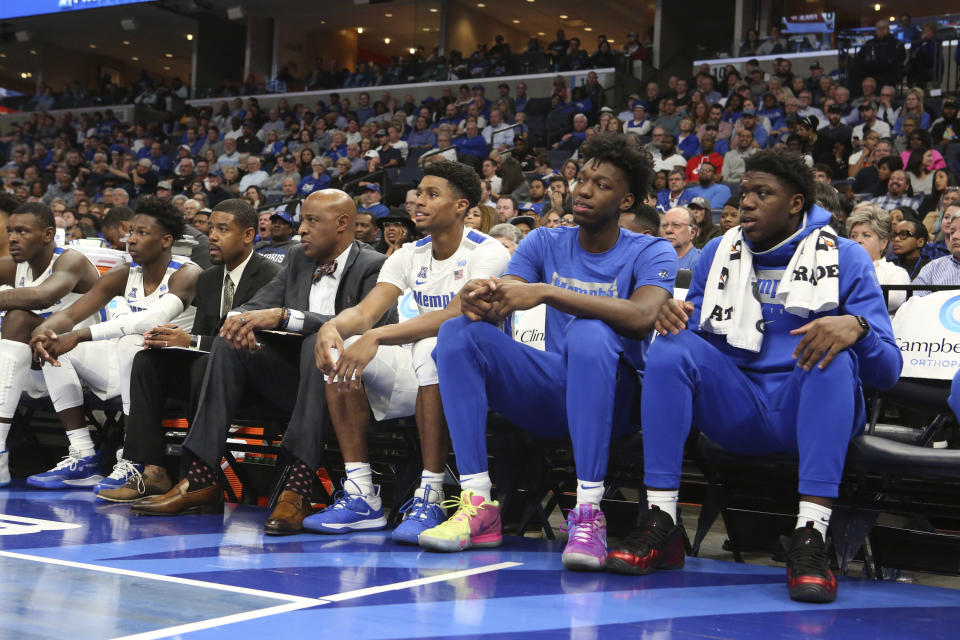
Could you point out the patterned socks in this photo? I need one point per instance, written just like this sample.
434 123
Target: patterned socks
201 475
300 479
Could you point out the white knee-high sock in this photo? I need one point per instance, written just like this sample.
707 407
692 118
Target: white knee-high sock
433 482
359 481
665 500
81 441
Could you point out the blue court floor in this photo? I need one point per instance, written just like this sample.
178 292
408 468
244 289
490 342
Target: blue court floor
75 568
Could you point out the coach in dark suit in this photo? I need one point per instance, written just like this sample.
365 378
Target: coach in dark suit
159 372
327 273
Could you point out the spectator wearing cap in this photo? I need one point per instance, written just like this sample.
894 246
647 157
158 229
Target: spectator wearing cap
638 122
525 222
625 115
714 192
286 168
868 113
247 141
708 153
702 213
282 228
396 230
371 201
318 178
165 189
946 128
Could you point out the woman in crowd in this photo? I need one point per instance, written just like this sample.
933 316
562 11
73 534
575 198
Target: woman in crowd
942 178
869 226
231 179
749 46
482 218
569 171
273 146
254 196
305 163
912 103
552 219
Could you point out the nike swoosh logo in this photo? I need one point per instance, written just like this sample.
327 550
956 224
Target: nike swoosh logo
417 282
585 487
365 513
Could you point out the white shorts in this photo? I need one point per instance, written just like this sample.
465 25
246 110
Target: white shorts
392 379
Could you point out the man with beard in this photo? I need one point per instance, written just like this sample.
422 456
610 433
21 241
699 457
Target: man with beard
709 188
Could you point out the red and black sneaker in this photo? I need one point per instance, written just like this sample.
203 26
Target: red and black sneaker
655 543
809 578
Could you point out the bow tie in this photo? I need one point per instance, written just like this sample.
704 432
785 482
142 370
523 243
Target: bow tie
327 269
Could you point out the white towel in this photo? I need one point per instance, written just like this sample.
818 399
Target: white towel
810 284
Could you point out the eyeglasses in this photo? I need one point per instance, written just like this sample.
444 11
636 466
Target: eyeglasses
903 235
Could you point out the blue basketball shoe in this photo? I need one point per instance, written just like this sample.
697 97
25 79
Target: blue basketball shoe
70 473
349 512
122 472
420 515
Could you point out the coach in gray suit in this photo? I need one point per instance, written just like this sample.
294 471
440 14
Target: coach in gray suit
327 273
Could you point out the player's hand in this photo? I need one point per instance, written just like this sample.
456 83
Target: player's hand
328 339
238 330
48 346
475 298
673 317
823 339
511 295
353 360
166 335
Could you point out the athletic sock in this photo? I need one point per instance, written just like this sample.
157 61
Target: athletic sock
359 481
818 514
300 479
81 441
665 500
478 483
433 482
200 475
589 492
4 431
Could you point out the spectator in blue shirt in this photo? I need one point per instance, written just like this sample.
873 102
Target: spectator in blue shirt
371 201
749 121
679 226
421 137
709 188
317 180
472 144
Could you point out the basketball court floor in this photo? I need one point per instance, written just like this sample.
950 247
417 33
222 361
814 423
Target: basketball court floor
81 569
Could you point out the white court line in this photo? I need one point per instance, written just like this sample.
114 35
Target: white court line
408 584
166 632
162 578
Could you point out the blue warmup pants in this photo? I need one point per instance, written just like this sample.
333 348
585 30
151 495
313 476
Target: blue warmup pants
586 392
689 382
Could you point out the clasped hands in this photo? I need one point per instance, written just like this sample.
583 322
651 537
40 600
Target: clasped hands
494 299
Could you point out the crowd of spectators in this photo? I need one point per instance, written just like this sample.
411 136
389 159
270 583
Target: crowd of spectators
872 143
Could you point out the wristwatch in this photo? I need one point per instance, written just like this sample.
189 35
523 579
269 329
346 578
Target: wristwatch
864 327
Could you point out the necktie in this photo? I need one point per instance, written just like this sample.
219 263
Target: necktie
228 291
327 269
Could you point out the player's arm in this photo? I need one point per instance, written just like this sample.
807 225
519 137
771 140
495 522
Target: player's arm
358 319
8 271
68 271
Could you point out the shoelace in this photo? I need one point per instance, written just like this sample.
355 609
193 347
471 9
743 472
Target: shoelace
581 529
417 507
464 509
126 470
809 558
71 460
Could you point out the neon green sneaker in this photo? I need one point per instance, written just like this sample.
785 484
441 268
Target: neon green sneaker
476 523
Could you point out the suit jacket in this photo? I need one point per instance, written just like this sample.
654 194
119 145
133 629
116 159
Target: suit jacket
257 274
291 287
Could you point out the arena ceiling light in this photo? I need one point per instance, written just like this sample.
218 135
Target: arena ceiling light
564 16
23 35
128 24
386 41
236 13
360 30
189 36
126 42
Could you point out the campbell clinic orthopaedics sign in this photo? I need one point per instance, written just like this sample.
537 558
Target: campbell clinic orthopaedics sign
21 8
927 331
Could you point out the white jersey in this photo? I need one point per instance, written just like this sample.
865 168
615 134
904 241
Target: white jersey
434 283
136 300
26 278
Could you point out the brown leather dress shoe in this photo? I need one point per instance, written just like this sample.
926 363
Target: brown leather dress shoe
180 501
287 517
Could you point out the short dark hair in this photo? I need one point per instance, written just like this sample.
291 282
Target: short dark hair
789 168
242 211
116 215
40 211
824 168
512 199
9 202
893 163
648 218
166 215
540 180
919 229
461 177
618 150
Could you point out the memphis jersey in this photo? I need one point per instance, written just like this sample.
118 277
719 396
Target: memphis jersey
25 278
136 300
434 283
